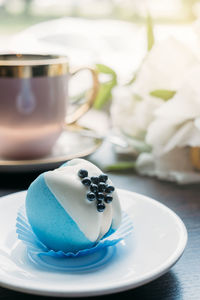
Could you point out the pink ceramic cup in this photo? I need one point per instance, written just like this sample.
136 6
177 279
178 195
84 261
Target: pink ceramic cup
33 103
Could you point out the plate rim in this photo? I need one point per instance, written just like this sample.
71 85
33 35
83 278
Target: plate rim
112 288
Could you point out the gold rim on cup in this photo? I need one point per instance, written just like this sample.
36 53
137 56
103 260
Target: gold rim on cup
32 65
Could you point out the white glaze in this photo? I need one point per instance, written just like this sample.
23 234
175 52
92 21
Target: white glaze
66 186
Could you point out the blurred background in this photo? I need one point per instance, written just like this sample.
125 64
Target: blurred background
145 46
170 16
16 15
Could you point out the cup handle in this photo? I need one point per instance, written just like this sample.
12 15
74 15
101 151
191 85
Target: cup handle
83 108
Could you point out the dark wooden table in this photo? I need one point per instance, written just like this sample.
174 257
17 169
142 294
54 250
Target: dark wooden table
182 282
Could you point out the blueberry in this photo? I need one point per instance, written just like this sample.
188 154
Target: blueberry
101 186
91 196
93 188
86 181
101 207
82 173
103 177
95 179
108 199
100 196
109 189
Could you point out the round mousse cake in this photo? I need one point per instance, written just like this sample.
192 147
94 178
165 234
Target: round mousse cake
71 208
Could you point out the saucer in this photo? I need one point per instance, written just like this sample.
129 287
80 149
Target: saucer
158 241
71 144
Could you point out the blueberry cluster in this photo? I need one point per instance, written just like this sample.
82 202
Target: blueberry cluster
99 189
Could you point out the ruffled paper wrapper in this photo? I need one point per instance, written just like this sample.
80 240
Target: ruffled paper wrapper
97 255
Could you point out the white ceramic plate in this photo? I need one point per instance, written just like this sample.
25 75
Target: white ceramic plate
158 241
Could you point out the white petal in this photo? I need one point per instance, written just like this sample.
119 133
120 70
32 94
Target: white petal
175 166
185 104
186 135
176 122
130 114
158 134
164 67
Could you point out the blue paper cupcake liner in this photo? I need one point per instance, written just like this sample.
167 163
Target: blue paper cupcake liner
36 247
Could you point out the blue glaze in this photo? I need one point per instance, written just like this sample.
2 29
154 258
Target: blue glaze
64 164
112 237
50 222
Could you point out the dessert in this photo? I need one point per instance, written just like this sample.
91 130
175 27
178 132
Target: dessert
71 208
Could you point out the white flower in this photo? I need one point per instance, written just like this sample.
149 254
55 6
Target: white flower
175 129
177 122
171 127
131 114
164 67
132 108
